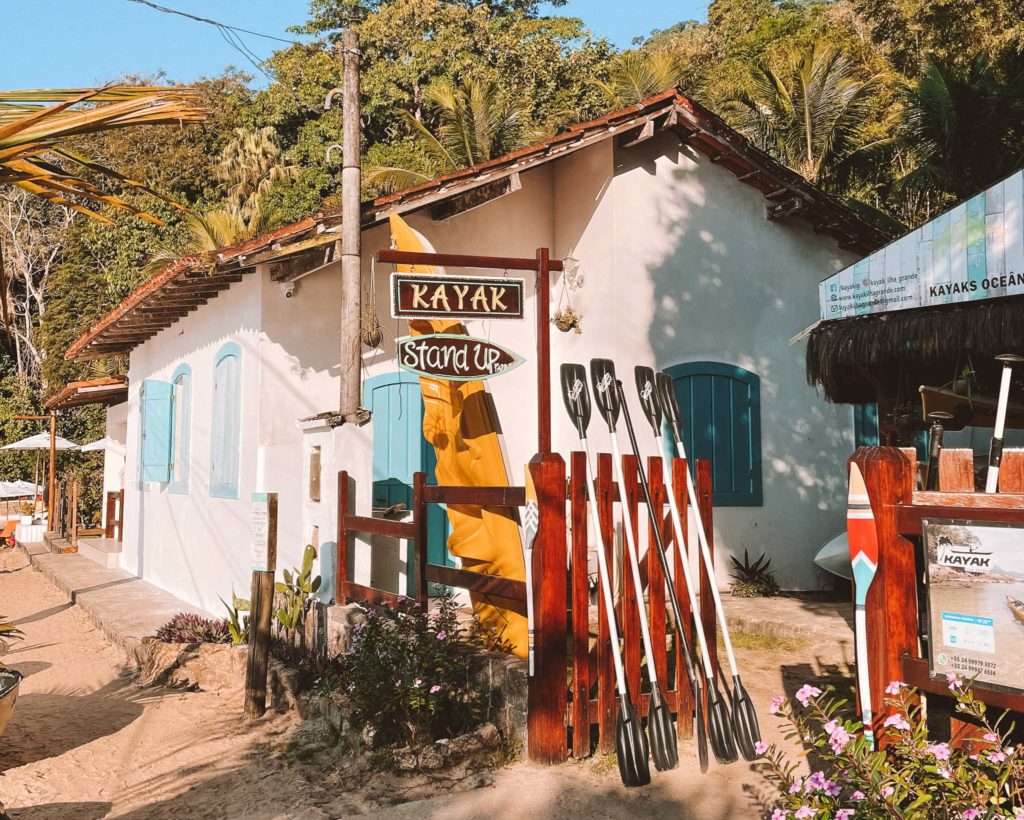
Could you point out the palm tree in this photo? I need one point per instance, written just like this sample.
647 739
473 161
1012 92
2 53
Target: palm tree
35 125
250 164
962 127
633 76
807 109
475 123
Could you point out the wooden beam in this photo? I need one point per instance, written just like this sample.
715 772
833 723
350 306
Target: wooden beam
637 136
454 260
474 198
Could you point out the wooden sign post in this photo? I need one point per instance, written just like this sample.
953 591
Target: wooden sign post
264 561
414 296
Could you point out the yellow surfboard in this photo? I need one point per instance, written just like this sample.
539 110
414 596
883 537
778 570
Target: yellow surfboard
462 426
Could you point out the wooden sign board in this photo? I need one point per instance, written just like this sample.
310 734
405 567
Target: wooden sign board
263 546
455 358
414 296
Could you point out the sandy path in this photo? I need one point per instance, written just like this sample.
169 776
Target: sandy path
86 743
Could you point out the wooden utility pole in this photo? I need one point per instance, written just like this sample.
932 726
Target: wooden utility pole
351 227
264 563
51 493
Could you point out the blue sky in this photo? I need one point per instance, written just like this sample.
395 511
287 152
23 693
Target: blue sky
104 39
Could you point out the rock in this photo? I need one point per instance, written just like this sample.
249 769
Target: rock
368 736
406 759
318 731
489 735
464 746
431 758
211 667
310 813
341 621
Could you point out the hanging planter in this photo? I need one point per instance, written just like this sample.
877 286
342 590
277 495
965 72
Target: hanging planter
566 319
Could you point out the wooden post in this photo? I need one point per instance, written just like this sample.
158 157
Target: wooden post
419 518
341 556
74 513
632 651
607 703
892 597
351 260
264 561
686 703
547 741
120 516
655 573
543 350
108 523
580 607
53 470
704 502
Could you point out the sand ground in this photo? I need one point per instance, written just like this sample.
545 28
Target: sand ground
86 743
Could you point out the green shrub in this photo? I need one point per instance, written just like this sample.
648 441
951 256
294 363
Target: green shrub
408 674
298 588
186 627
238 623
753 580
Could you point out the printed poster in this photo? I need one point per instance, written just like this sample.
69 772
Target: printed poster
976 601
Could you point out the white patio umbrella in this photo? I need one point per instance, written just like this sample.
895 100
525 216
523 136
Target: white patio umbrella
40 442
100 444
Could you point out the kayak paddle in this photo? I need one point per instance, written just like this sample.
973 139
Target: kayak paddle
720 726
863 538
995 450
531 522
931 475
744 716
660 727
630 741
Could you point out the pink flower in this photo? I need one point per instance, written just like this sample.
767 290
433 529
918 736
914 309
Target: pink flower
945 771
996 757
805 811
442 635
857 795
970 814
939 750
844 814
838 736
780 814
419 682
760 747
806 693
435 689
991 737
814 782
895 687
887 791
897 722
832 789
776 705
797 786
953 681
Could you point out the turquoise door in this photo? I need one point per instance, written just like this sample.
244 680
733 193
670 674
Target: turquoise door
399 450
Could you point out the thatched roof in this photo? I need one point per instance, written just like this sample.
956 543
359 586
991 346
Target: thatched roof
889 355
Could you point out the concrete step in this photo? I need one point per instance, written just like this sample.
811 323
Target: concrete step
104 551
58 545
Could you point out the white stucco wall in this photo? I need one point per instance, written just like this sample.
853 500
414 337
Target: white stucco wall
114 456
680 264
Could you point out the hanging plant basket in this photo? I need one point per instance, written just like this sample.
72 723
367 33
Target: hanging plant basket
566 319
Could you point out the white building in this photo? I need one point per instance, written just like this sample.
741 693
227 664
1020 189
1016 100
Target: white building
699 254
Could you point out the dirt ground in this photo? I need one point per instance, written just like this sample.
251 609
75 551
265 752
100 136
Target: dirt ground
86 743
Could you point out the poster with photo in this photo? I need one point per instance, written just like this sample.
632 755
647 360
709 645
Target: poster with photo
976 601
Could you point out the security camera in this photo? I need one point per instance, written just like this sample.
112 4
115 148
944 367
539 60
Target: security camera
288 289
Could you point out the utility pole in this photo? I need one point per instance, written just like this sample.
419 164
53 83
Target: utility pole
351 227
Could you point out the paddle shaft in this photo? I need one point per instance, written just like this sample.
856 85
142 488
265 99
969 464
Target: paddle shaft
995 450
528 559
705 554
863 676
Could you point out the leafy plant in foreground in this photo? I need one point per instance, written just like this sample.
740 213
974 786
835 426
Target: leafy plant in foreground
187 627
238 623
912 778
298 588
753 580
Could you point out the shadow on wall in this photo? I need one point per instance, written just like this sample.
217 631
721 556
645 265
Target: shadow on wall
722 295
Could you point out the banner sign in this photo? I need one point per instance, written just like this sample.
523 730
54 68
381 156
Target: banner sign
976 601
414 296
975 251
454 358
259 524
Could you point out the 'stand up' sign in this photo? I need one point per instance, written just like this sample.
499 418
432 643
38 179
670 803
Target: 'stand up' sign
453 357
415 296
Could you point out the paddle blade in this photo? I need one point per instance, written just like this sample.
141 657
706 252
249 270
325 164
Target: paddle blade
744 718
661 730
531 511
576 396
650 401
631 747
669 403
720 728
702 734
861 535
606 394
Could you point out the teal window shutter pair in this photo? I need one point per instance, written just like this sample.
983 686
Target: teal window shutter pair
720 406
181 423
225 442
155 461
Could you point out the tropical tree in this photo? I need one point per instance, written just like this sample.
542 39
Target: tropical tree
475 123
250 165
808 108
633 76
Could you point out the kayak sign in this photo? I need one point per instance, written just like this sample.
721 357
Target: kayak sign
454 357
414 296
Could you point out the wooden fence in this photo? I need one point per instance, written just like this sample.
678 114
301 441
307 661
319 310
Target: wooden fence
896 597
572 697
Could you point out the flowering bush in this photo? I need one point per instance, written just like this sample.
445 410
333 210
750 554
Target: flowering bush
408 674
914 777
187 627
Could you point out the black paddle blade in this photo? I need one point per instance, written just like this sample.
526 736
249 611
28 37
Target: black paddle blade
631 747
661 730
669 403
606 394
748 733
647 389
720 728
576 396
702 734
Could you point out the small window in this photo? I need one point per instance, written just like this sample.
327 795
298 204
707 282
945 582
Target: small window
181 422
225 442
155 432
314 473
720 406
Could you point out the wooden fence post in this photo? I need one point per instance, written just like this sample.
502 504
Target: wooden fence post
547 741
580 607
686 705
892 597
264 561
419 547
341 552
705 505
607 703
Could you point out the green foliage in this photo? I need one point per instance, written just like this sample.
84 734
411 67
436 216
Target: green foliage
298 588
238 622
8 632
408 674
912 777
753 580
187 627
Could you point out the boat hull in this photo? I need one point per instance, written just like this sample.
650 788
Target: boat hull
1017 608
9 683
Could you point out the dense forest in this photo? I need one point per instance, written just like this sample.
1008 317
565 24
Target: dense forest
898 107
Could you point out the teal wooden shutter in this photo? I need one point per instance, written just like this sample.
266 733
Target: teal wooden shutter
156 431
225 442
721 415
865 425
